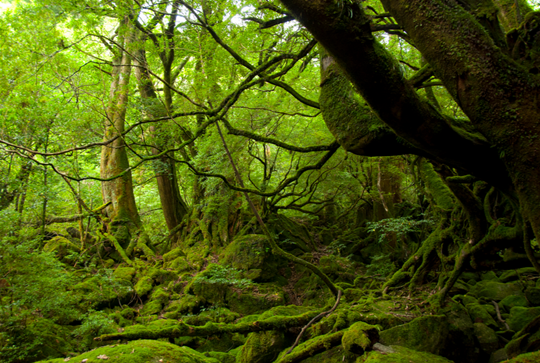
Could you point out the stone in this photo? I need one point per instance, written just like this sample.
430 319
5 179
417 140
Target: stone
401 354
125 273
425 334
494 290
141 351
359 337
513 300
480 315
486 337
262 347
508 276
521 316
144 286
533 295
490 276
533 357
498 356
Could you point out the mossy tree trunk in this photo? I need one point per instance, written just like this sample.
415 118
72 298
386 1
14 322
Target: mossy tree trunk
173 205
491 77
118 188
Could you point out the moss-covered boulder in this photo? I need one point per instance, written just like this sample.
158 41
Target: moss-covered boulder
252 253
514 300
533 296
61 246
520 317
222 286
486 337
144 285
494 290
533 357
479 314
187 304
140 351
526 340
101 291
360 337
333 355
262 347
125 273
399 354
425 334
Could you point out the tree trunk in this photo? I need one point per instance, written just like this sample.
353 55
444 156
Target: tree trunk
118 189
174 207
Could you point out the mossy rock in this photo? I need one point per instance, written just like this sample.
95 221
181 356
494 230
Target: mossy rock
533 295
173 254
101 292
490 276
152 308
333 355
479 314
533 357
255 298
509 276
487 338
360 337
252 252
399 354
262 347
125 273
467 299
425 334
186 304
61 246
520 317
494 290
222 286
222 357
159 294
515 300
179 264
144 286
141 351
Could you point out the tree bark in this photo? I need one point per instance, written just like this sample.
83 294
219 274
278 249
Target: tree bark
114 159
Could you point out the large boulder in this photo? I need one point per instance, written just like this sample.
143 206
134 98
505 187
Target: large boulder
425 334
262 347
494 290
140 351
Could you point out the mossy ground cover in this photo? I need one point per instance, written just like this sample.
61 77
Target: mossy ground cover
217 313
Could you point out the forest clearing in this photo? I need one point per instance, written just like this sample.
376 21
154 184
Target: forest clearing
260 181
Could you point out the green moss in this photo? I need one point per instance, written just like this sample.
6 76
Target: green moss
494 290
427 334
262 347
479 314
521 316
173 254
398 354
141 351
360 337
125 273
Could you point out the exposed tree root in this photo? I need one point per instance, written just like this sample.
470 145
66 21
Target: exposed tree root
185 330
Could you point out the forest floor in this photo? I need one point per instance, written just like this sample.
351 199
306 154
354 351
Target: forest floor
245 305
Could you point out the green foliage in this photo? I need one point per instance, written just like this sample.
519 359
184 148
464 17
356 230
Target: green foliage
222 275
35 292
400 227
94 323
